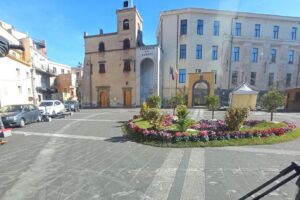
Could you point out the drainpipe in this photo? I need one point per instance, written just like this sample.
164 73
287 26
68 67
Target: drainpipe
230 55
177 56
297 82
90 82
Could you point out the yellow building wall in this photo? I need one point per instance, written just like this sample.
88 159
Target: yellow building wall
195 77
244 101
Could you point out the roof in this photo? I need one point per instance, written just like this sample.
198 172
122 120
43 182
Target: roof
244 89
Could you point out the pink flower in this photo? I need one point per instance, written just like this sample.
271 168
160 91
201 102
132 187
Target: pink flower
203 133
178 134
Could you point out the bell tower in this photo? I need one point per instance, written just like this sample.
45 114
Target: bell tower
130 24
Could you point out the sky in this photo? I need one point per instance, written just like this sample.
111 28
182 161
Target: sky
61 23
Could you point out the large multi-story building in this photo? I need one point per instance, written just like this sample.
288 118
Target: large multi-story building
15 75
261 50
32 67
119 69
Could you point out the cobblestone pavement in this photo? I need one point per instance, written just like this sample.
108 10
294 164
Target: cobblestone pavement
85 157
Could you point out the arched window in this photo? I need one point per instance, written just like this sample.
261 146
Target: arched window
126 44
101 47
126 24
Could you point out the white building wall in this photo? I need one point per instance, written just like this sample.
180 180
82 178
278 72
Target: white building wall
11 80
167 38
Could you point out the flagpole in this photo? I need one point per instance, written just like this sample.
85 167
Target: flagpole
176 65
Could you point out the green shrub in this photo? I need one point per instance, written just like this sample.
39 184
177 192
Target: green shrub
144 110
154 117
235 118
272 100
175 101
212 102
153 102
183 119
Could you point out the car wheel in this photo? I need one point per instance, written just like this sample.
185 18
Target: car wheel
22 122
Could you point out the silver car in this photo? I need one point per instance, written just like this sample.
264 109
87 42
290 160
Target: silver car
19 115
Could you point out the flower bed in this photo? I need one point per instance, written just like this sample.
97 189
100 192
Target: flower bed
206 131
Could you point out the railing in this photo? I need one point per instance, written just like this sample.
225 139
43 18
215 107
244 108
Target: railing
293 167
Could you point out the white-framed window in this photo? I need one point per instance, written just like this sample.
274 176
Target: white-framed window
291 57
198 51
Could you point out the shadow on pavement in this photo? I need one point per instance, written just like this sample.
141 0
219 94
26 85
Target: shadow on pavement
120 139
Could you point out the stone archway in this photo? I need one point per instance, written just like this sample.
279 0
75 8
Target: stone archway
201 89
147 79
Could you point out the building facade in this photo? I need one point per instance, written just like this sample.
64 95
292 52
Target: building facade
261 50
39 72
15 73
113 75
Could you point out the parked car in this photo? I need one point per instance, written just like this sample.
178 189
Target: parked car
51 107
19 115
72 106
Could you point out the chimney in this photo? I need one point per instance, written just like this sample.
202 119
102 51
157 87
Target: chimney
85 34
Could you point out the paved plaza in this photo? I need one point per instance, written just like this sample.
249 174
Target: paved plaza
85 156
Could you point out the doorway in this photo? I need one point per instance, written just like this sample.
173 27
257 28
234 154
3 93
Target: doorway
200 91
127 97
103 99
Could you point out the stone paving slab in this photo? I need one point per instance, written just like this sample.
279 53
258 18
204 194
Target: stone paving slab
83 167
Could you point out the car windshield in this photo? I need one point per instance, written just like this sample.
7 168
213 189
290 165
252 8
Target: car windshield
12 108
46 103
70 102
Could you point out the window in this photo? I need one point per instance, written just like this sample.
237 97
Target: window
200 27
126 44
101 68
127 67
234 77
27 75
62 71
273 55
253 78
288 80
183 27
294 33
255 55
182 51
20 89
18 72
271 79
182 75
257 31
54 70
238 29
216 28
291 57
275 32
126 24
215 52
199 51
101 47
236 53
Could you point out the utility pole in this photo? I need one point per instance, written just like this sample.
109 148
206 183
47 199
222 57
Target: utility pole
297 82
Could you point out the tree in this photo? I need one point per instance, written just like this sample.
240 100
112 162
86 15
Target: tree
176 101
212 102
272 100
